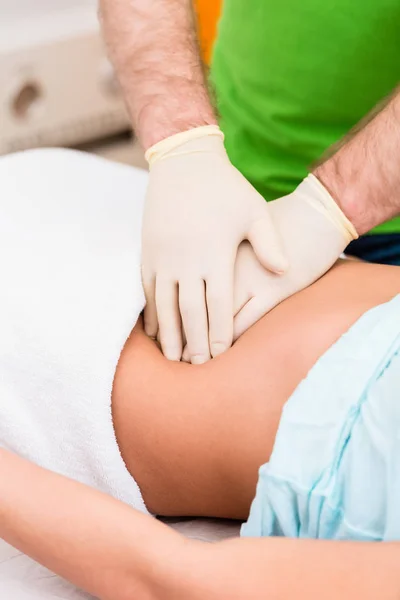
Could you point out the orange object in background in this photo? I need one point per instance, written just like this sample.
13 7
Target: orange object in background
208 14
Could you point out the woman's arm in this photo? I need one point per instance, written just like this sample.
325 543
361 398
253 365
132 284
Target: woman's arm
97 543
116 553
281 569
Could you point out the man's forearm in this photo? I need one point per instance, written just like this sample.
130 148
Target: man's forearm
154 48
363 176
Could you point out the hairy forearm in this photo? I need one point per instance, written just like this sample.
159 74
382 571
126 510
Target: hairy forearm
99 544
153 46
363 176
280 568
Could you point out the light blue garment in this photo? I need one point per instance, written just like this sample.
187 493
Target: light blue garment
335 469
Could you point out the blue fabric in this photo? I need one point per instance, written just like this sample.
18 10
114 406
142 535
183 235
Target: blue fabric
335 469
378 248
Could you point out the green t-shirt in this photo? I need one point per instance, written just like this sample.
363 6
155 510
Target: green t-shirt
293 76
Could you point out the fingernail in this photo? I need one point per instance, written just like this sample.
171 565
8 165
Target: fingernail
198 359
217 348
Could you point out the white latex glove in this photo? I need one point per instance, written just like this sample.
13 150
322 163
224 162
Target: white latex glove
198 210
314 231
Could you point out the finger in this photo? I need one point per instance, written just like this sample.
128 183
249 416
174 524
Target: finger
192 305
219 293
184 344
267 245
150 309
251 312
186 355
169 322
158 341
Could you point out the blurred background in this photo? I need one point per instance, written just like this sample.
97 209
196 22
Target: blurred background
57 87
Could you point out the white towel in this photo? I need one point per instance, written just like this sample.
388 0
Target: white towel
70 295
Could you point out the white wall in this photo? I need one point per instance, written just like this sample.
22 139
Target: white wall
13 8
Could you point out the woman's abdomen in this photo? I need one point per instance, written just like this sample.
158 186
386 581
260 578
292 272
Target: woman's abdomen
194 437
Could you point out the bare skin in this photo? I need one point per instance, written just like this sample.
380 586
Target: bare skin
194 436
363 175
154 48
116 553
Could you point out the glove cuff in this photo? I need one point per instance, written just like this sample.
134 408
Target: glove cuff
163 148
315 193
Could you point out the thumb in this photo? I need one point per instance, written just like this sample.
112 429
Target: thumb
268 246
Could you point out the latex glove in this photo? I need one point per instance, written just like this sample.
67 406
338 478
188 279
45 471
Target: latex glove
315 233
197 211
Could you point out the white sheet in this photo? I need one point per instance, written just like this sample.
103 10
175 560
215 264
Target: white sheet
70 243
205 530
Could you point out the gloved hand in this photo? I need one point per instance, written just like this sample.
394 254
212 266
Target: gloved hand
315 232
198 209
